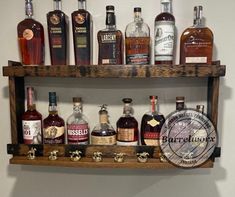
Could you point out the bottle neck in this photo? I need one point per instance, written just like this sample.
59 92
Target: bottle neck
166 7
30 99
110 20
137 16
53 109
153 105
197 18
57 5
103 118
179 105
77 108
81 5
127 109
28 9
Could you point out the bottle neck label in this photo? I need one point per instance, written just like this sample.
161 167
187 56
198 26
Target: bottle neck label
103 118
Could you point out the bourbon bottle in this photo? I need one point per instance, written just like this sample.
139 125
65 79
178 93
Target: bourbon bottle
151 124
137 40
82 34
164 33
196 43
57 24
110 41
31 38
32 121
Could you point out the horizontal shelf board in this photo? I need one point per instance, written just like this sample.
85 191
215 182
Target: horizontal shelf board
106 163
115 71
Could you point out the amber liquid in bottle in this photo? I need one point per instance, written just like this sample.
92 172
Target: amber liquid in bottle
31 38
196 43
110 41
57 23
82 34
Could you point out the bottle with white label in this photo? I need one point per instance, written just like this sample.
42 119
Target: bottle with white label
164 34
103 133
31 121
77 125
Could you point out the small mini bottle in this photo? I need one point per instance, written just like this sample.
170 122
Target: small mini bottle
77 125
53 125
103 133
151 124
137 40
180 103
31 38
57 24
32 121
127 126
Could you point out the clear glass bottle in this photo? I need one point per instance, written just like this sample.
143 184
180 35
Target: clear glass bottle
110 41
82 34
31 38
31 121
57 25
164 33
196 42
53 125
151 124
180 103
127 126
137 40
77 125
103 133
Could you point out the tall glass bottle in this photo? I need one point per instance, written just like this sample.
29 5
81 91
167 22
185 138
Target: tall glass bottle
151 124
31 38
77 124
127 126
57 24
103 133
53 125
164 33
137 40
31 121
110 41
196 42
82 34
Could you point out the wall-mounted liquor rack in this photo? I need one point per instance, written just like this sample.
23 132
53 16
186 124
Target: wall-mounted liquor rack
16 73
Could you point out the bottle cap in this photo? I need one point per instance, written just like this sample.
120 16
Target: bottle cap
153 97
137 9
198 12
77 99
166 1
110 8
180 99
127 100
52 98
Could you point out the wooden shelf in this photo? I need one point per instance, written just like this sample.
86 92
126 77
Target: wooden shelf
116 71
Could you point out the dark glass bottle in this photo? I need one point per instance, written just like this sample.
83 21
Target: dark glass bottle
164 34
127 126
57 24
31 38
151 124
82 34
53 125
110 41
31 121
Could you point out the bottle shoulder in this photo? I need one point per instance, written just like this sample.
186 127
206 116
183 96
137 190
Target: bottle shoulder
30 23
137 30
197 32
32 115
80 11
165 16
77 118
53 118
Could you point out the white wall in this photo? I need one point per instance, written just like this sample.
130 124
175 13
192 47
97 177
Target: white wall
21 181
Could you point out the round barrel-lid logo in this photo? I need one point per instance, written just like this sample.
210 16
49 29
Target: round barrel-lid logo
55 19
80 19
188 138
28 34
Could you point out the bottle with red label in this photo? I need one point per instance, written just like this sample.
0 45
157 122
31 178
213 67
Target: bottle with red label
77 124
31 121
151 124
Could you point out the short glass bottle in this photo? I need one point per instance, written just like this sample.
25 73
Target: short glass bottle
196 42
164 34
127 126
137 40
110 41
103 133
57 24
151 124
77 125
31 38
53 125
180 103
31 121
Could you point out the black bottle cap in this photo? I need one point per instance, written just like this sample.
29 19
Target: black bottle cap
153 97
180 99
137 9
110 8
52 98
127 100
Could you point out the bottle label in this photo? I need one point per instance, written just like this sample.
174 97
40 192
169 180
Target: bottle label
103 140
125 134
135 143
80 19
201 60
28 34
153 123
164 40
77 133
55 20
54 135
151 138
32 131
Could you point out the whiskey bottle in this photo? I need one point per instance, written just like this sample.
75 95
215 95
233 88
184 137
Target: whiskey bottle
180 103
31 38
82 34
196 42
164 33
137 40
151 124
31 121
57 24
110 41
77 125
103 133
53 125
127 126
